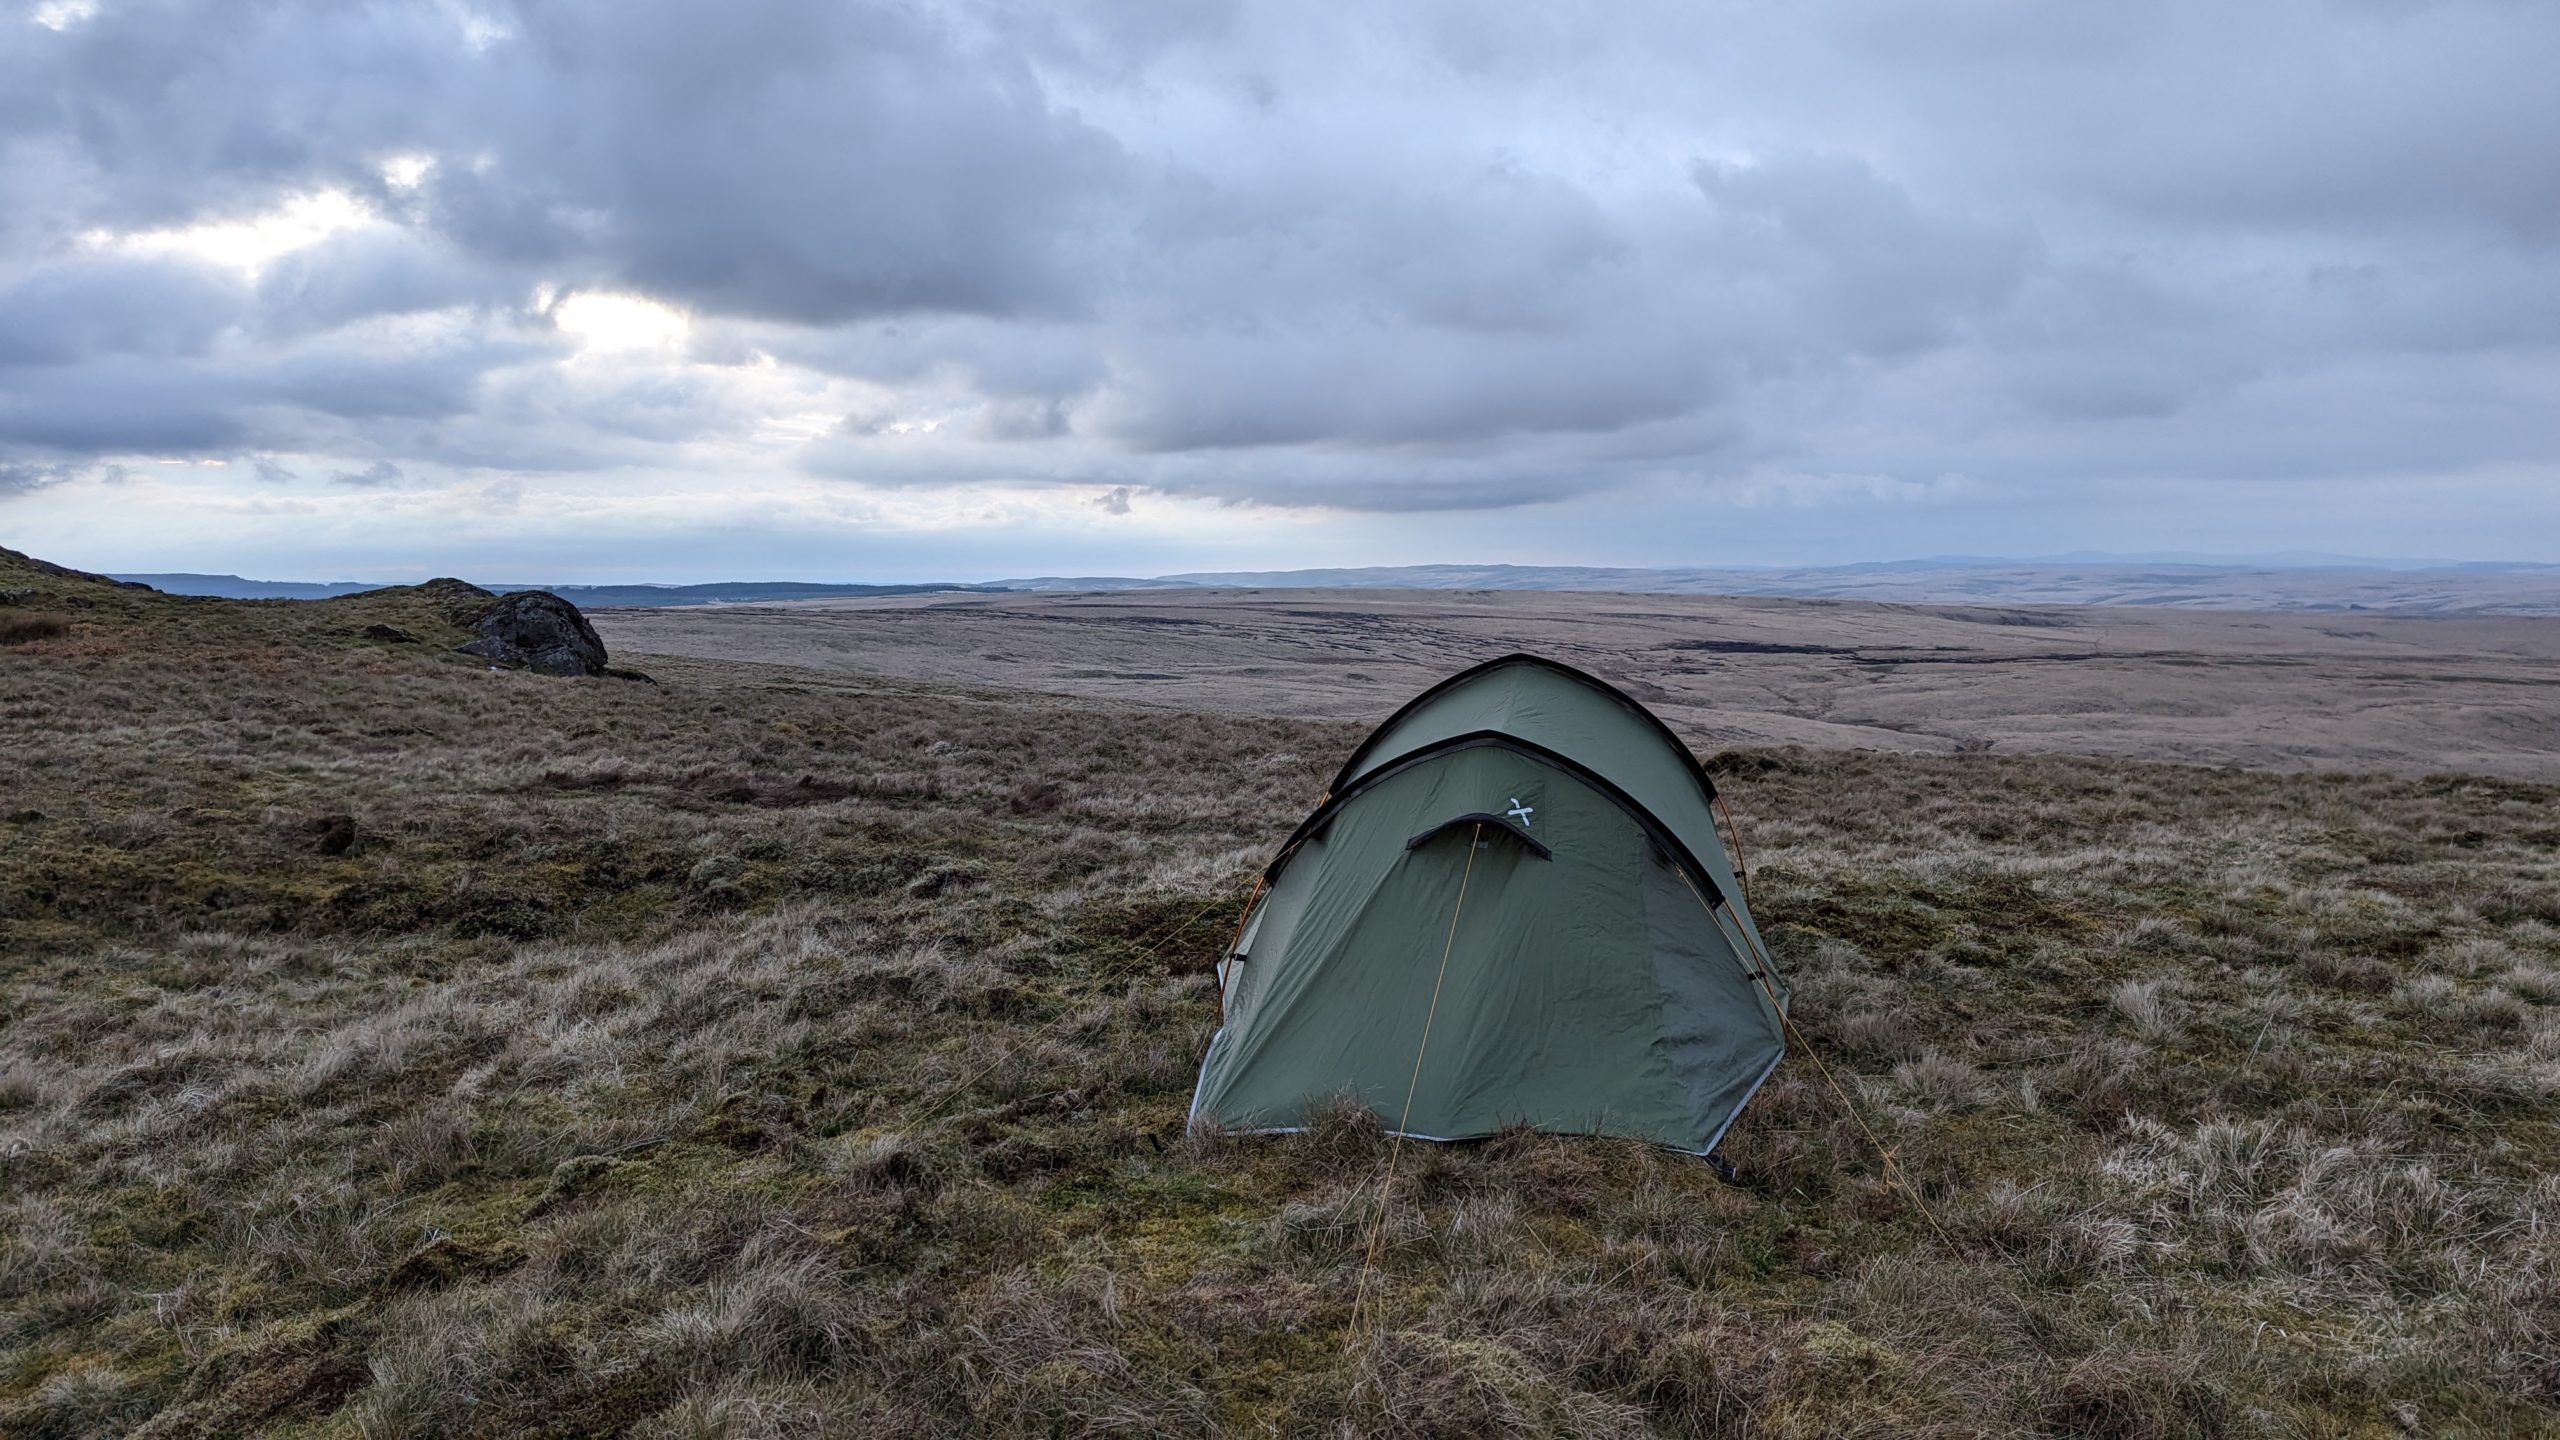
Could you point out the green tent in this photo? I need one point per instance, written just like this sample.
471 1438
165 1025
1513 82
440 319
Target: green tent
1522 865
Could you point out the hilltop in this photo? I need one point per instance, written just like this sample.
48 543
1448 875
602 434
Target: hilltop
397 1047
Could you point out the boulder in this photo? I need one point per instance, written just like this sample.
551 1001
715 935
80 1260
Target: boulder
538 631
462 602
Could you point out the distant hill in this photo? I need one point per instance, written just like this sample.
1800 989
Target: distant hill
730 592
232 587
2270 583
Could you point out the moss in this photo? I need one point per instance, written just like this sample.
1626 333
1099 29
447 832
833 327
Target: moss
300 1370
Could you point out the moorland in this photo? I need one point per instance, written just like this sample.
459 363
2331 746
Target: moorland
390 1046
2266 690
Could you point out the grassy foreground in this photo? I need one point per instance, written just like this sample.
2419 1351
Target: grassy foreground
390 1047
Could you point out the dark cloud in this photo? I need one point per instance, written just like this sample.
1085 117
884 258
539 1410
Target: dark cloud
1466 254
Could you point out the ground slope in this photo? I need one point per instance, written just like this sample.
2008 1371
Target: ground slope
393 1047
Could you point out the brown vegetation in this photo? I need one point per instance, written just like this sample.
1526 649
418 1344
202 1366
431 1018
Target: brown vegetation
20 629
771 1053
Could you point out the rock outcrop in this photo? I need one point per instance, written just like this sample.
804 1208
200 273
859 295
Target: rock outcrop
538 631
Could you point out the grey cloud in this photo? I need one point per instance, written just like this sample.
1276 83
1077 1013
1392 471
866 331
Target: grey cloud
1023 420
135 398
806 162
179 108
378 475
122 405
1864 268
2300 114
65 312
1006 361
803 161
23 479
365 384
1797 262
1460 254
368 274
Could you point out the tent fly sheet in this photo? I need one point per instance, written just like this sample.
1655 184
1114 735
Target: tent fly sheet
1511 908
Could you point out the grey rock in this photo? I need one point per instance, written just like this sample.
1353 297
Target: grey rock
392 633
538 631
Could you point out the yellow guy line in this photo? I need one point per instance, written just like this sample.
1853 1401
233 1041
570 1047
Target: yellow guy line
1763 968
1369 1258
1741 863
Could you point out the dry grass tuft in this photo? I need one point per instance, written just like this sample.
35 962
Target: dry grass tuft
26 629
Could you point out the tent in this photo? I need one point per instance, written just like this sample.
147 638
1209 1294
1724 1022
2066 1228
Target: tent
1512 907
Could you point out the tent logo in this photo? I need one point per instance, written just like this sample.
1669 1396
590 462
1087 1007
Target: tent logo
1521 812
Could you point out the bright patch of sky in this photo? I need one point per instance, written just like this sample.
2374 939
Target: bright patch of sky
247 244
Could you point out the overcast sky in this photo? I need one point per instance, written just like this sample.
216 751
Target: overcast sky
675 291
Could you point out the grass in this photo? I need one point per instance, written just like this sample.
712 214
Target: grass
20 629
393 1047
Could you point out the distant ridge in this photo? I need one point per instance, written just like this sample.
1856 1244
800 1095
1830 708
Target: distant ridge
2325 583
232 587
734 592
2269 582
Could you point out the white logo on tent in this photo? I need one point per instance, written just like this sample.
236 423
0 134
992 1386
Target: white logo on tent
1521 812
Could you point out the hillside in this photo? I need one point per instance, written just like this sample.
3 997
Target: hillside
400 1048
